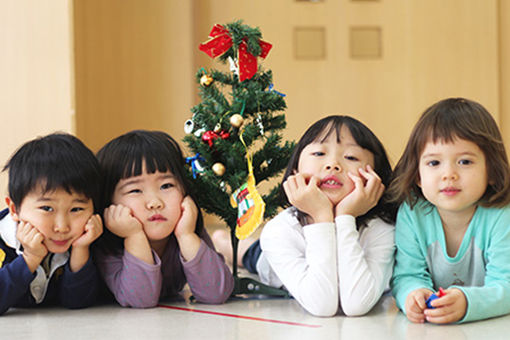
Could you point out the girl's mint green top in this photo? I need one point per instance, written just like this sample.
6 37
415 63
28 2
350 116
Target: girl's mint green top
481 267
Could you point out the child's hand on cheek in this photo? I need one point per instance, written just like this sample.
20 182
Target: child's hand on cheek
120 220
189 242
305 194
31 239
368 189
93 229
188 220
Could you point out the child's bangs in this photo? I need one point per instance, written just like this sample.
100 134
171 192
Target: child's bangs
155 160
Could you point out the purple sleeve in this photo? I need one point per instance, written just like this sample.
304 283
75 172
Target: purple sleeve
208 276
133 282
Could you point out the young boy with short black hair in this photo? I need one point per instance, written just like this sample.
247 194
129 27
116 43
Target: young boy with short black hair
50 223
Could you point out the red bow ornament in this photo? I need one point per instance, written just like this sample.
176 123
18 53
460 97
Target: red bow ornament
209 136
220 42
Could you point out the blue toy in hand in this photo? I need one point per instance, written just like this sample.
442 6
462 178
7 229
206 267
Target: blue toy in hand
434 296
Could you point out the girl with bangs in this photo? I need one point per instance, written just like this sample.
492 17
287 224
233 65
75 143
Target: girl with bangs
453 225
333 247
154 241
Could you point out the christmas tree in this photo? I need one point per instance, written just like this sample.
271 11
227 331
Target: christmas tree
235 137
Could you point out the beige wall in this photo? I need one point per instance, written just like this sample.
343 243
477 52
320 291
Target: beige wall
36 95
134 67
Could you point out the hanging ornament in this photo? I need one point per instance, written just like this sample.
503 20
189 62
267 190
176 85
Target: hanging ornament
209 136
259 124
236 120
196 167
218 169
223 186
271 89
233 66
250 205
189 126
217 128
199 132
206 80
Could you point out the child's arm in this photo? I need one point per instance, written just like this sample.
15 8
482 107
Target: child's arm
188 240
207 274
304 259
410 271
365 263
80 251
15 278
120 221
78 289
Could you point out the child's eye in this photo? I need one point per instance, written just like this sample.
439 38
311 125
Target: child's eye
167 186
76 209
46 208
351 158
134 191
433 163
465 162
318 153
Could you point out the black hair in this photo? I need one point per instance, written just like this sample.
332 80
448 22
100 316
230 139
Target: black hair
125 156
366 139
55 161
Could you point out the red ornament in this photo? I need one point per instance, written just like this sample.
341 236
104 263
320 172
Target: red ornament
209 136
220 41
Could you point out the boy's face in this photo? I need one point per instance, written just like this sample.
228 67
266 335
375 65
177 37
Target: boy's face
58 215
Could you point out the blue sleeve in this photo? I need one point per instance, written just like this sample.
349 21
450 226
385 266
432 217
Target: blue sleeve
79 289
15 278
493 298
411 269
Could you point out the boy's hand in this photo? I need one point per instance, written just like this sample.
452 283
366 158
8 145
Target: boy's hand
415 304
308 197
93 229
34 249
368 189
120 220
187 222
449 308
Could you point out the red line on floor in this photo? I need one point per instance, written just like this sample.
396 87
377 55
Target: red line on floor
240 316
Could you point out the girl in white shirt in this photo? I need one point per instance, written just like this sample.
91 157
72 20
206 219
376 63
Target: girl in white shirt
333 248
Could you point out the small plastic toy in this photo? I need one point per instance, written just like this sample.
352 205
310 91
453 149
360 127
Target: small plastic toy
434 296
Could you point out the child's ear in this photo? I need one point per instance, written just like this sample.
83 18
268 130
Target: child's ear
12 209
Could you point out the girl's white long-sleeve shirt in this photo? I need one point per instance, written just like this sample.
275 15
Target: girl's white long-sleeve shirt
327 266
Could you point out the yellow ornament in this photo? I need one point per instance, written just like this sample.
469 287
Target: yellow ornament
206 80
219 169
236 120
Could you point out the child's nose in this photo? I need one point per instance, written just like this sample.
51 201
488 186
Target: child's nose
154 203
333 164
450 174
61 224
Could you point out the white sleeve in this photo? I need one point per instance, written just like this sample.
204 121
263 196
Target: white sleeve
304 258
364 263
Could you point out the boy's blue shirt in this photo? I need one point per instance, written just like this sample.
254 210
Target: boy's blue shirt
481 267
71 290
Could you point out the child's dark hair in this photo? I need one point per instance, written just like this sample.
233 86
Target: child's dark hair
124 157
366 139
55 161
445 121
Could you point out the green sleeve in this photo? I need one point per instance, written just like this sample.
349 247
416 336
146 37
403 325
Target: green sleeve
493 298
410 271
